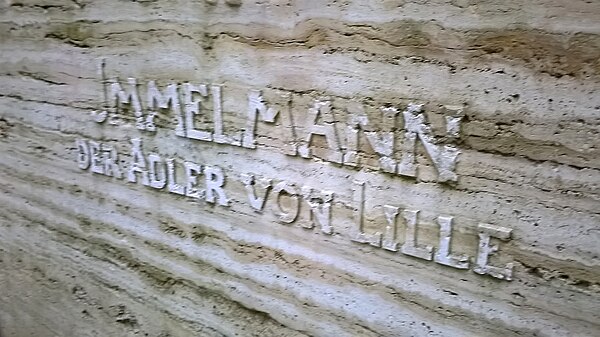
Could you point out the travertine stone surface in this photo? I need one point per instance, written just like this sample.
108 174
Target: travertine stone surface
299 168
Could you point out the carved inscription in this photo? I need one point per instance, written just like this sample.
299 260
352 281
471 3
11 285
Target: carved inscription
395 143
203 182
342 144
389 239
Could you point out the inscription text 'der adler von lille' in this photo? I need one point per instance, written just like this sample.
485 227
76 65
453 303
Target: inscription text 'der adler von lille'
203 181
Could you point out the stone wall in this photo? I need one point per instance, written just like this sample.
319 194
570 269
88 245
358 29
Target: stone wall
299 168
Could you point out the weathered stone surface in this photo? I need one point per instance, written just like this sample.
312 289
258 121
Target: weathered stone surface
500 99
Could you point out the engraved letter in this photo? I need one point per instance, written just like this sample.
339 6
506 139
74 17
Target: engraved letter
218 136
443 157
257 203
156 100
138 163
173 186
320 206
111 166
486 231
95 158
192 108
100 116
215 179
327 129
118 96
443 255
391 229
191 174
410 246
158 177
83 154
257 107
359 214
381 142
289 189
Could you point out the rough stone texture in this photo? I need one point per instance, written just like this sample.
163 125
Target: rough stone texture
84 254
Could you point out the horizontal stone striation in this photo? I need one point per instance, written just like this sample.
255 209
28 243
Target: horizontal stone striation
84 254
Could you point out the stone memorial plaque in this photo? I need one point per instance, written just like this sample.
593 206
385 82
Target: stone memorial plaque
299 168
